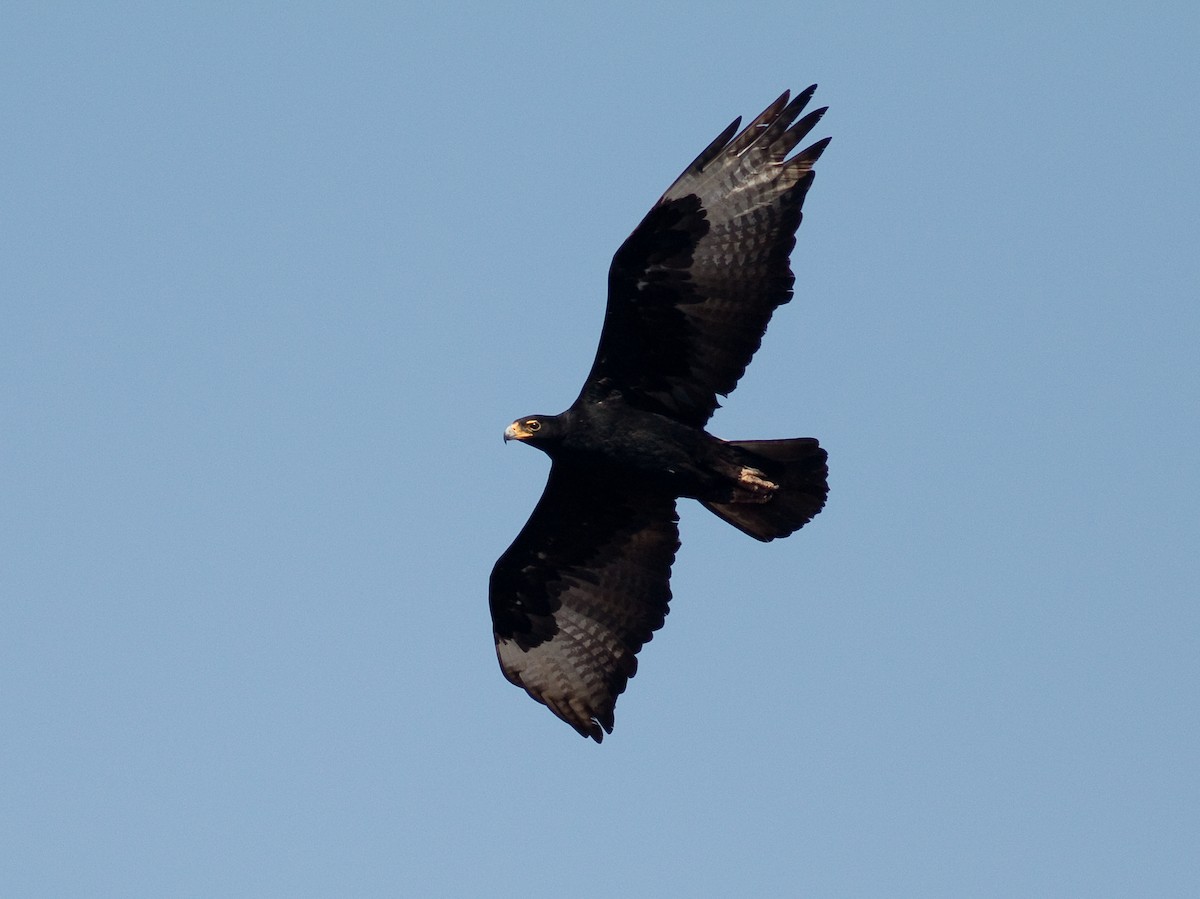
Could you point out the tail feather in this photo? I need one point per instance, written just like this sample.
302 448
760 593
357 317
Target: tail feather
799 467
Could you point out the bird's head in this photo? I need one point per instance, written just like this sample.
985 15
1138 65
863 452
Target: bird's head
536 430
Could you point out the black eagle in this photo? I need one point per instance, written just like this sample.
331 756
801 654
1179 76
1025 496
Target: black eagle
690 292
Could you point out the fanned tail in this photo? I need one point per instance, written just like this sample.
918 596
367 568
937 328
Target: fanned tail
798 467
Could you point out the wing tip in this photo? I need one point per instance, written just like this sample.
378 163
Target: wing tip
590 724
812 153
716 147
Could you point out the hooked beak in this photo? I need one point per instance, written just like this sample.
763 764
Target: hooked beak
517 431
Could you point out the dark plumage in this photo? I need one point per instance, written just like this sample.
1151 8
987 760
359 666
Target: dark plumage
690 293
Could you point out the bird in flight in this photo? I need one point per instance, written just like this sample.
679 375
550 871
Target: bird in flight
690 292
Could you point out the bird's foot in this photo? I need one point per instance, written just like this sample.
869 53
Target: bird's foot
754 486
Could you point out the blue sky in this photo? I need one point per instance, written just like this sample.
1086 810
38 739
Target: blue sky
275 279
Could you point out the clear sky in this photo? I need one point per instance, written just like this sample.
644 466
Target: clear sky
272 282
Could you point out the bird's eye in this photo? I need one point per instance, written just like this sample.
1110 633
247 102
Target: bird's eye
533 425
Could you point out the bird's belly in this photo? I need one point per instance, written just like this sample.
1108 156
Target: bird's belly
683 461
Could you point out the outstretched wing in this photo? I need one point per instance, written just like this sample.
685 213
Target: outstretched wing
692 289
584 585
